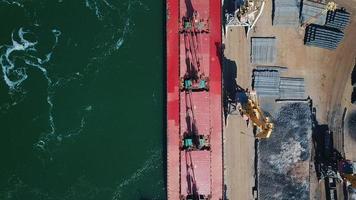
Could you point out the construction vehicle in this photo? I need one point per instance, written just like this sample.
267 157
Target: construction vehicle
330 6
252 110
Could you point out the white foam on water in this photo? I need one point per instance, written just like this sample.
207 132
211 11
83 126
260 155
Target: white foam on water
7 63
14 76
89 108
12 3
56 33
119 43
75 132
92 5
126 31
119 34
60 81
109 5
24 45
149 164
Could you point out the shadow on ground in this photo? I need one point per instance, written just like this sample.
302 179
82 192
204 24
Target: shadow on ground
351 125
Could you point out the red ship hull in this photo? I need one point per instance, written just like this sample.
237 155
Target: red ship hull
206 167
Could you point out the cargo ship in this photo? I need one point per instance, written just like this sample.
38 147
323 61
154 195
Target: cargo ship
194 108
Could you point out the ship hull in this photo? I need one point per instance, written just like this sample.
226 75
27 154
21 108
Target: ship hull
205 167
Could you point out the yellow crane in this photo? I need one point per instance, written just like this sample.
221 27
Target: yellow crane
252 109
330 6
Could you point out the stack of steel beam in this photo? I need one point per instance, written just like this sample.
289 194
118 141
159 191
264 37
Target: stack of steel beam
263 50
266 82
338 19
311 9
323 36
286 13
292 88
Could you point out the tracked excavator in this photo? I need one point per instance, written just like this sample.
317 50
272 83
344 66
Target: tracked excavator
250 108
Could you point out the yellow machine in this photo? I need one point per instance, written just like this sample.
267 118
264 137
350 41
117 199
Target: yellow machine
252 109
331 6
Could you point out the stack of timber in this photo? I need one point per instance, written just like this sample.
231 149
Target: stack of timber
323 36
338 19
286 13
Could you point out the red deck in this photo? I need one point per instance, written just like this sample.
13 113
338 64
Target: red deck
205 166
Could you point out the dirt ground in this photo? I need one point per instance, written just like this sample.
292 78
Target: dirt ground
327 78
237 130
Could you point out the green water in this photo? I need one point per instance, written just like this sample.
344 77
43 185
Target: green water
81 100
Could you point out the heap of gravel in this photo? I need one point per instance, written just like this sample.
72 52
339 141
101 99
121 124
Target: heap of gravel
283 159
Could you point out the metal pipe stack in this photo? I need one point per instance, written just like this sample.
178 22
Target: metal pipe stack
338 19
323 36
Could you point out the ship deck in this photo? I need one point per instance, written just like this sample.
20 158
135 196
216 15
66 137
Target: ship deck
205 166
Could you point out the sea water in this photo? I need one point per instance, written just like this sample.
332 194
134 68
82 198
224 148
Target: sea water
81 100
